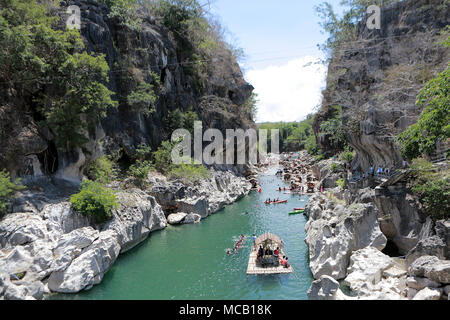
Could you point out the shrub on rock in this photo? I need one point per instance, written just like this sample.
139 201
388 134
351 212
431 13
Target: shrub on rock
95 201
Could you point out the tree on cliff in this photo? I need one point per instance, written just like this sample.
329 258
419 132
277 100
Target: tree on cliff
434 122
47 70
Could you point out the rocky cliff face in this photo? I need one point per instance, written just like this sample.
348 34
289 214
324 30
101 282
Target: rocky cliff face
377 77
376 80
131 55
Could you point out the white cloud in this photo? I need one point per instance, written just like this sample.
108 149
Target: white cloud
288 92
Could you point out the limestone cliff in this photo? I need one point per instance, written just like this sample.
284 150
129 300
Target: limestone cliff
377 77
132 56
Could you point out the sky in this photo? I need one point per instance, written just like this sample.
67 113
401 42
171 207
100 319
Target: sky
280 41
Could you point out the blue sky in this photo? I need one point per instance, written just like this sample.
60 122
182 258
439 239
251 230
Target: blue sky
280 40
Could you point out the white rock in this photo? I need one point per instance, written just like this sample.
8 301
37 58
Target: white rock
21 228
366 266
197 205
192 218
394 272
70 246
428 294
176 218
326 288
138 215
61 218
419 283
411 293
431 267
88 268
331 244
17 261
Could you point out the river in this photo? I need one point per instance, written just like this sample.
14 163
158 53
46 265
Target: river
190 261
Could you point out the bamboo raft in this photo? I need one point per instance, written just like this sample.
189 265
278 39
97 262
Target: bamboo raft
255 268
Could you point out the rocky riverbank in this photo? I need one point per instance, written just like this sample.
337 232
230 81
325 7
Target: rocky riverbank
350 246
47 247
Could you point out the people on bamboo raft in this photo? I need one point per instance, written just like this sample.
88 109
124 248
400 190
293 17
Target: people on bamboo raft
274 255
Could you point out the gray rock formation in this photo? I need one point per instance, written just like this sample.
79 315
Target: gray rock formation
326 288
332 235
432 268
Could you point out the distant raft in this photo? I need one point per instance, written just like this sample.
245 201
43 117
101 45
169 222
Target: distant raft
275 202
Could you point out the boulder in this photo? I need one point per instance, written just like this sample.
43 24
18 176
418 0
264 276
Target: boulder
62 219
367 266
336 234
21 228
138 215
394 272
419 283
17 262
428 294
432 268
176 218
192 218
89 267
430 246
70 245
325 288
166 194
196 205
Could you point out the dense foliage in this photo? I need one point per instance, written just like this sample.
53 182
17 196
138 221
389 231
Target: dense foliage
189 172
294 136
102 170
434 122
95 201
433 188
49 67
333 130
7 189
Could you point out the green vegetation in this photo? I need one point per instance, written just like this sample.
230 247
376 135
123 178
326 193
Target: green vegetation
434 122
143 99
250 107
333 130
341 183
294 136
347 156
335 167
432 187
94 201
189 172
7 189
48 66
177 119
142 166
101 170
125 12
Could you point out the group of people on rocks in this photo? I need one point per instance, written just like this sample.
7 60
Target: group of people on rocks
376 171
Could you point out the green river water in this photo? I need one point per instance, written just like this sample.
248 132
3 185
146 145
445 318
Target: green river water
190 261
